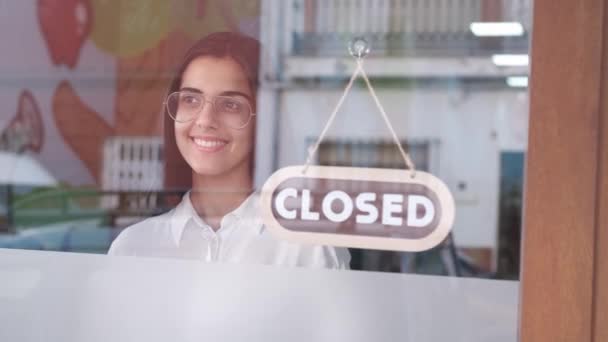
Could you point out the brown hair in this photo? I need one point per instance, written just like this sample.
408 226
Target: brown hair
242 49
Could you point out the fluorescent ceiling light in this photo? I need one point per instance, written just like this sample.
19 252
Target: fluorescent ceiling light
511 60
499 29
517 81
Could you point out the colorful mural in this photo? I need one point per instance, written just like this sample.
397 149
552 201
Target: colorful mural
130 46
25 131
137 109
65 25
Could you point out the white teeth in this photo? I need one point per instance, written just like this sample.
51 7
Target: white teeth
208 143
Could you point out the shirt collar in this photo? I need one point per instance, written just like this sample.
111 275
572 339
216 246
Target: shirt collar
182 214
248 212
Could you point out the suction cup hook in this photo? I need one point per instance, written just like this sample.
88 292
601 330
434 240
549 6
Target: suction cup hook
358 47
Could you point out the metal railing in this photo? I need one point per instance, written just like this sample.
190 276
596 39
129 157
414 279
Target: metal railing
320 27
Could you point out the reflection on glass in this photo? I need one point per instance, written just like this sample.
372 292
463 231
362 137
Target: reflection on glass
82 144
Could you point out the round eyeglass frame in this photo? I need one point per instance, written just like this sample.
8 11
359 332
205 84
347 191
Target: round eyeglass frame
205 101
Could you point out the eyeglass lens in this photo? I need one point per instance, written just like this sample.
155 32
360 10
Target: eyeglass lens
231 111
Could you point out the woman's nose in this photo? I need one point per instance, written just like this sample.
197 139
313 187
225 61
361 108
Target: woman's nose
206 117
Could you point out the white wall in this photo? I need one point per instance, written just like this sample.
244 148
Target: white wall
472 127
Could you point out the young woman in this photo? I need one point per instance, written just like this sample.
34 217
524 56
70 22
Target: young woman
210 119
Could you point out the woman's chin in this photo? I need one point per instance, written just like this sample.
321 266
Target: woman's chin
220 167
211 169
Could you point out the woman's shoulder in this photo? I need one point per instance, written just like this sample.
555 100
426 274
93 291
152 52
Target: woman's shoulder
148 232
149 225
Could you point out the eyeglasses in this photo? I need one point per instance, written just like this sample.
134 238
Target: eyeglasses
184 106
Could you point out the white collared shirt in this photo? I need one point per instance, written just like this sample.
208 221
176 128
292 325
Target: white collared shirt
241 238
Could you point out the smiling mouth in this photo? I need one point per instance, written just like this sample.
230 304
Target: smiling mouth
209 145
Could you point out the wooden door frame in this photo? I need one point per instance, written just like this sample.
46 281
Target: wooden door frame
564 280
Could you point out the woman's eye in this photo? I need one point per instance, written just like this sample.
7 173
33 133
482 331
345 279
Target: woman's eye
231 105
189 100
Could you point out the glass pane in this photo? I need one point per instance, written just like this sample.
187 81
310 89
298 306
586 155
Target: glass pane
452 76
93 163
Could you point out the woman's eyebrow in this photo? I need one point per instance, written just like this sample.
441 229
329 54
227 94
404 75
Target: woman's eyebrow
236 93
224 93
193 90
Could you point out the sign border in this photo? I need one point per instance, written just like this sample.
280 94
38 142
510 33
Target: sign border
444 196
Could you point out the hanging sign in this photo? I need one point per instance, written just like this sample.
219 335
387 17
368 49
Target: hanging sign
358 207
403 210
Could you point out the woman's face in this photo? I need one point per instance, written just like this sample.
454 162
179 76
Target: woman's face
206 143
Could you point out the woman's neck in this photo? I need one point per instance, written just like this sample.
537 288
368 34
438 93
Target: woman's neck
215 196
